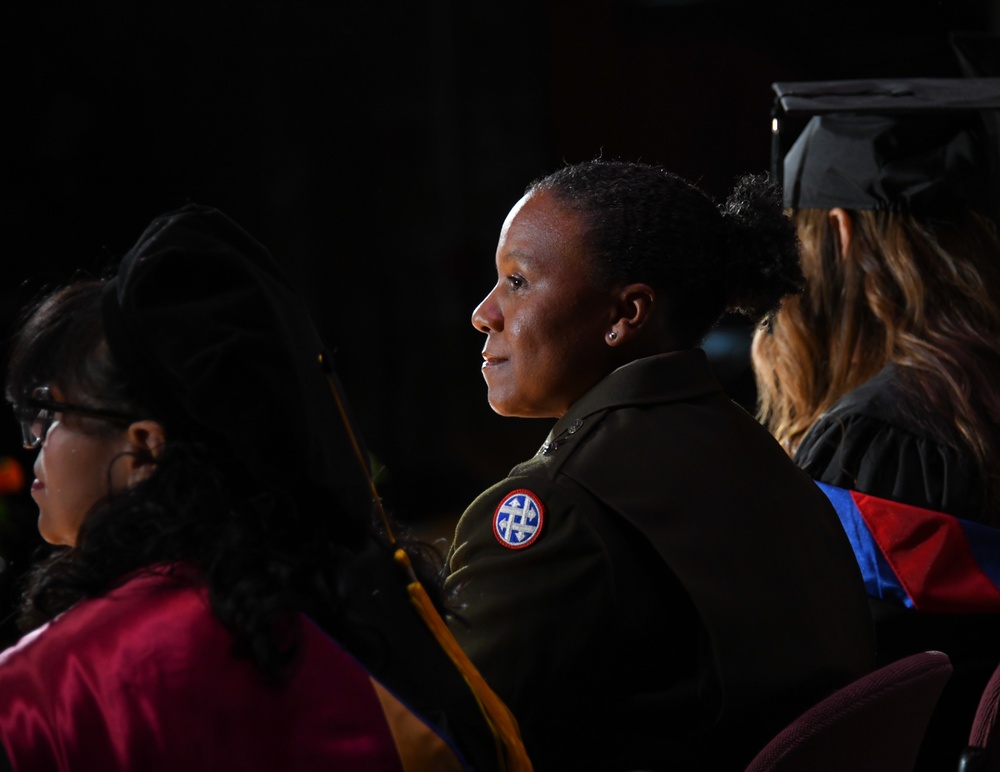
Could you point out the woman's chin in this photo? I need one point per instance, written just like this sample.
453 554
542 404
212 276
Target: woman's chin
55 536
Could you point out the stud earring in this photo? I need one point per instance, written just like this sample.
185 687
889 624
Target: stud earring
612 335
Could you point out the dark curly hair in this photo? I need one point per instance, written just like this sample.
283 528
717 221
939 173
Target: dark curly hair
262 553
649 225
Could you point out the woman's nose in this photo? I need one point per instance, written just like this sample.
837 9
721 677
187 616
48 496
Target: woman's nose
487 316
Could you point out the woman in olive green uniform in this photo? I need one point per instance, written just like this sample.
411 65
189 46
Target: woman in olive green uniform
659 585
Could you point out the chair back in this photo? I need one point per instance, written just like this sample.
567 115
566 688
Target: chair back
874 723
983 752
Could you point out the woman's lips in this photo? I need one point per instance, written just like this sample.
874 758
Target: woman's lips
37 485
492 361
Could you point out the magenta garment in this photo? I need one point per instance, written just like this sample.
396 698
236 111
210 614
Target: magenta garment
144 679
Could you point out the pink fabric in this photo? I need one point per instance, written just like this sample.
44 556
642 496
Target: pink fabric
144 679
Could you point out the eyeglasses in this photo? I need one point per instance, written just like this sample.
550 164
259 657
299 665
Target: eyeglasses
38 413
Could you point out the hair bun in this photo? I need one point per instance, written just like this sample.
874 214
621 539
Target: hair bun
763 246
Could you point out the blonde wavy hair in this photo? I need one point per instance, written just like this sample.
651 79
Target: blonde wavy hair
923 295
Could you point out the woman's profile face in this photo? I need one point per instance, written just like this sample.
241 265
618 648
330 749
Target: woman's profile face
73 471
546 319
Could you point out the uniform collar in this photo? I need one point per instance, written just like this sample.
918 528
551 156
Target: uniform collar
678 375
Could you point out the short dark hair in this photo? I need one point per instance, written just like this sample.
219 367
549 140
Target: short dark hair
61 340
646 224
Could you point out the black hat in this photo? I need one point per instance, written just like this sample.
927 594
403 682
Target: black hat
203 320
925 146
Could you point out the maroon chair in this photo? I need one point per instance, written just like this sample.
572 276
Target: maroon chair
874 723
983 753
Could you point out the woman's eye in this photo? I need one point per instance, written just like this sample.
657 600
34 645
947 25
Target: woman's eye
515 281
43 420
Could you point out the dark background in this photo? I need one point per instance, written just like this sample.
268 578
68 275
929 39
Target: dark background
376 147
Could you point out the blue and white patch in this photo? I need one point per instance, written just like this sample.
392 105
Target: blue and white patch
517 522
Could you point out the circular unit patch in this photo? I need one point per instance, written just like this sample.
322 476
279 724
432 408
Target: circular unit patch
517 523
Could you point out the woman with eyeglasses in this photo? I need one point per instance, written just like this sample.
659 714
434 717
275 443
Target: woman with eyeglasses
217 597
71 458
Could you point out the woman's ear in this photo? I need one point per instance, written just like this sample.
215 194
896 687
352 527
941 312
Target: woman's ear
633 312
843 226
145 439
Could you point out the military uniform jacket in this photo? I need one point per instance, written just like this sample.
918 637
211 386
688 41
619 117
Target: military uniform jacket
659 584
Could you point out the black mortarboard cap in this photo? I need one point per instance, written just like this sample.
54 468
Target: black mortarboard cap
922 145
204 321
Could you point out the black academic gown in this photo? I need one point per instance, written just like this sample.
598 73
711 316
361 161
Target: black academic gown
881 441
